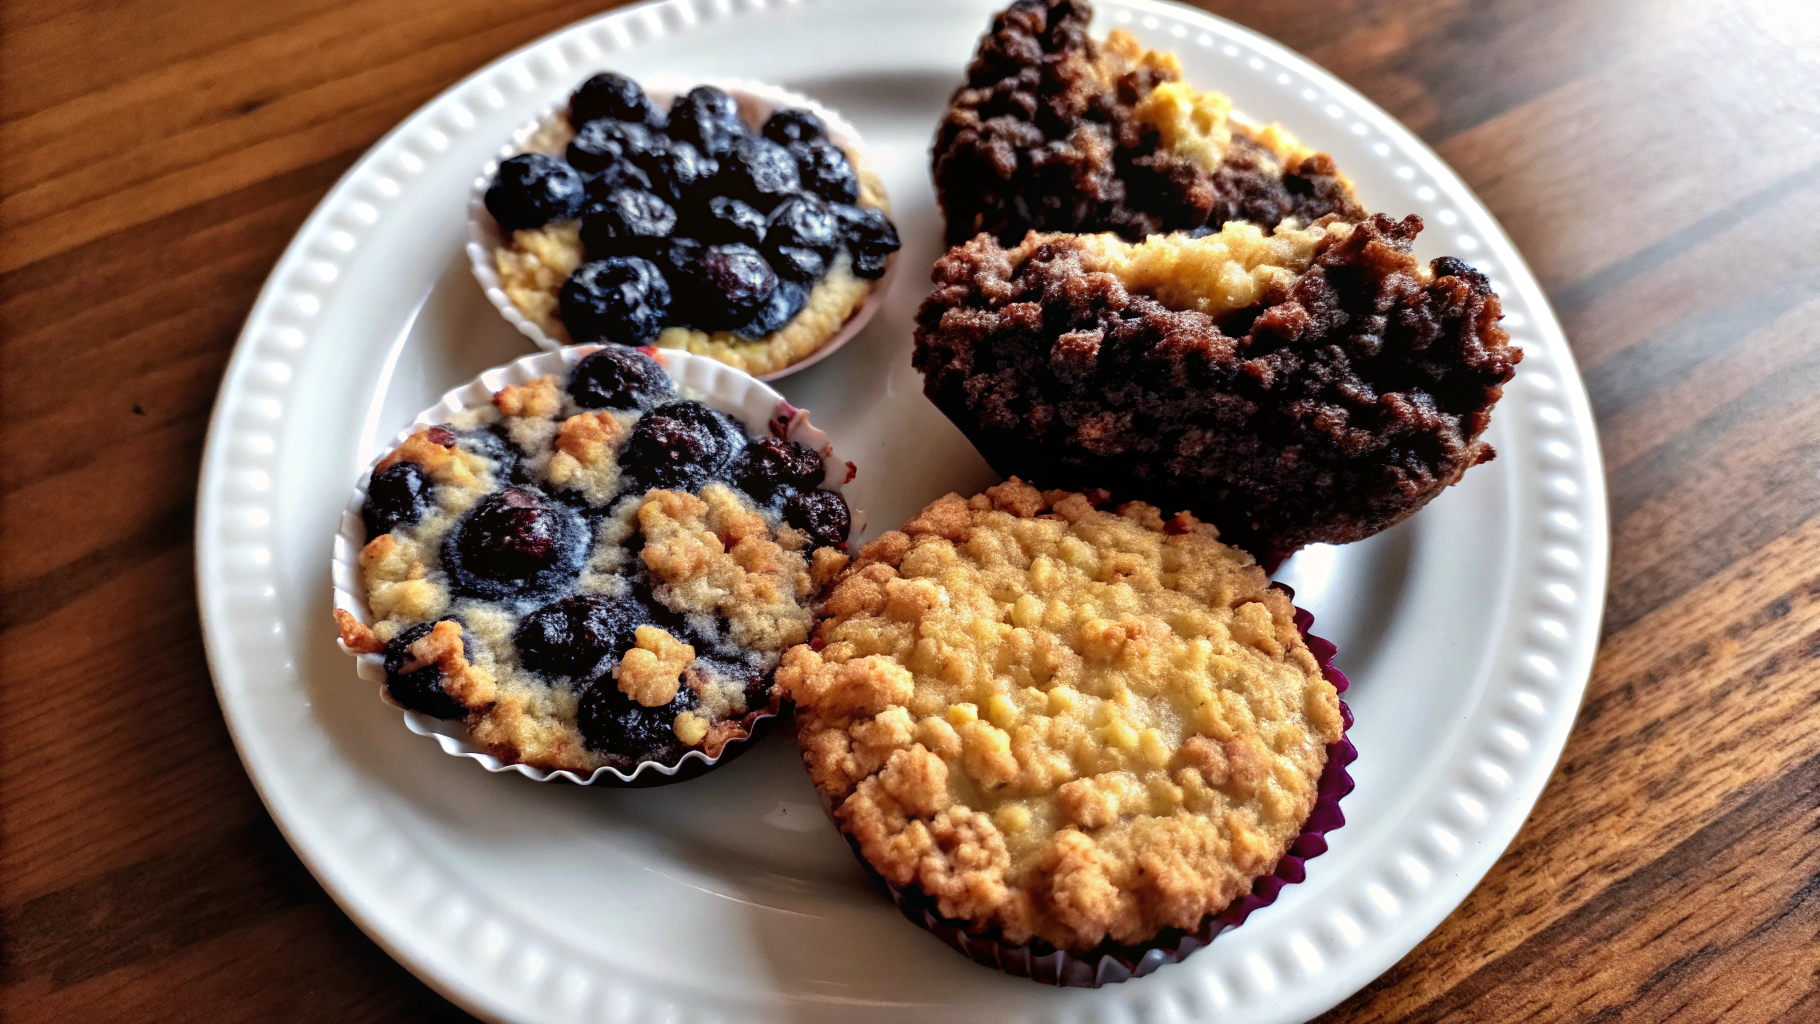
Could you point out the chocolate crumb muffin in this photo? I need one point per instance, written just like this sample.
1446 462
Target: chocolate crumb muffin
1061 723
1056 132
595 570
1307 385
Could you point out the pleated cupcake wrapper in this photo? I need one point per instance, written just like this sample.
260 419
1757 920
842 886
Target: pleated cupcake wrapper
1112 963
716 385
756 101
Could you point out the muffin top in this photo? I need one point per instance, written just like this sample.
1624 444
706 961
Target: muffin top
1294 386
1065 722
593 571
746 235
1054 131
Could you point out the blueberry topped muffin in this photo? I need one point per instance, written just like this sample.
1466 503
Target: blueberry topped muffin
700 227
1058 722
593 571
1303 385
1054 131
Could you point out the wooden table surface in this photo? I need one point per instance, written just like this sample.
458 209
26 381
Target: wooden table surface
1658 161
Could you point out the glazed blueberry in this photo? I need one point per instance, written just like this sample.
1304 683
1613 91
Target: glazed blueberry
680 446
531 190
732 283
869 236
634 140
514 543
610 94
618 377
677 170
495 442
794 124
398 496
770 465
627 222
793 263
597 146
785 301
726 219
420 690
805 222
759 171
708 119
614 723
825 171
572 637
823 515
621 298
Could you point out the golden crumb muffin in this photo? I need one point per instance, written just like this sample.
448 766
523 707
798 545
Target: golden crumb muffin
1059 721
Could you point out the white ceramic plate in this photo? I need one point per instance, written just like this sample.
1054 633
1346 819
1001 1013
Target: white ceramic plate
1468 631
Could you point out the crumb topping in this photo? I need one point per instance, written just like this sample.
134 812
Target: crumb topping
1307 385
1053 131
1067 722
651 672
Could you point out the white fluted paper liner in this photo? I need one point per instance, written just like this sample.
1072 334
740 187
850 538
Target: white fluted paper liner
756 102
762 410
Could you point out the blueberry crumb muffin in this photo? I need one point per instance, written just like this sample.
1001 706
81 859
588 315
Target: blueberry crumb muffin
593 571
700 227
1062 723
1054 131
1304 385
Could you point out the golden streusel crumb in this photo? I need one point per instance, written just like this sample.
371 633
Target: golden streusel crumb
651 671
1069 722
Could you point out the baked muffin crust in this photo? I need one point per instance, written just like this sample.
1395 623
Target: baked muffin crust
1305 385
1062 722
1054 131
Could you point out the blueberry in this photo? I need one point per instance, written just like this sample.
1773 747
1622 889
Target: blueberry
514 543
398 496
794 124
634 140
625 223
758 171
618 377
495 443
825 171
610 94
420 690
771 465
707 119
869 236
726 219
677 170
731 283
793 263
680 446
572 637
805 222
823 515
614 723
622 175
786 300
601 145
531 190
621 298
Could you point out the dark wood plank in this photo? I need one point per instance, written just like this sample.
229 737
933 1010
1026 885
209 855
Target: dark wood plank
1657 162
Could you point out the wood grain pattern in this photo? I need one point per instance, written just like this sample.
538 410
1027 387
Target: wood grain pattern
1657 161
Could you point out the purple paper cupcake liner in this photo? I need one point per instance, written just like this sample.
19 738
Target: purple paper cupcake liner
1111 962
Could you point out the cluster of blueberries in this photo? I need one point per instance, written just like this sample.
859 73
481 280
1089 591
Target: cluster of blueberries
688 218
522 546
